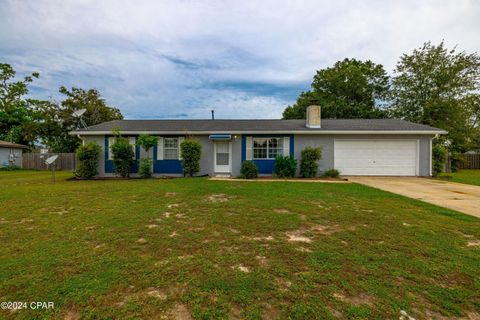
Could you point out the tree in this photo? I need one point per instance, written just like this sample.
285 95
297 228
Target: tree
123 155
191 151
309 161
350 89
17 115
147 142
145 166
58 119
439 87
88 156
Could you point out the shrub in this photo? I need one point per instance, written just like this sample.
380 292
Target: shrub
88 155
248 170
123 155
145 168
145 165
456 158
285 167
308 162
439 156
191 151
331 173
10 167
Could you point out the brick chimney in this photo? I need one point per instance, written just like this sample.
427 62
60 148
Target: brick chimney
313 117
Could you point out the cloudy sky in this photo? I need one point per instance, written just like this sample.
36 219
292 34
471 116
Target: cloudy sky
245 59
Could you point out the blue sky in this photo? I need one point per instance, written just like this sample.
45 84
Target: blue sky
245 59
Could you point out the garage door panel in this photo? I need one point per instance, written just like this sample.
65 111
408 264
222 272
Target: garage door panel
376 157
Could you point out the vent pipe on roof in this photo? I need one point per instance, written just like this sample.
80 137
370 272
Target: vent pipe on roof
213 114
313 117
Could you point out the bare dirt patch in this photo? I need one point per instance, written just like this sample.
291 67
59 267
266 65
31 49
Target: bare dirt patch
142 240
242 268
218 197
473 243
262 261
168 214
72 315
358 299
298 236
270 311
325 230
267 238
156 293
180 312
283 284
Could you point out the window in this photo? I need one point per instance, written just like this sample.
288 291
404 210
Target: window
170 148
267 148
111 141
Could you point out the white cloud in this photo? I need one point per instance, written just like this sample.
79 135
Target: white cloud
169 58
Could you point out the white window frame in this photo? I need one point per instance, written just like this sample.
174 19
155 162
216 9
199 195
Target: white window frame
131 141
170 149
280 150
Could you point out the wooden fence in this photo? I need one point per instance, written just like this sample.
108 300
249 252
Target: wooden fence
65 161
472 161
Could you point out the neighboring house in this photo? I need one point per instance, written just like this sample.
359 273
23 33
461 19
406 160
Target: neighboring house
11 153
353 146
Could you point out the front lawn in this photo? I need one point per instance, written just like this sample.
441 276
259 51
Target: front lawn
463 176
205 249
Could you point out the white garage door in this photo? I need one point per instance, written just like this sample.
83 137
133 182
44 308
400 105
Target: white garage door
376 157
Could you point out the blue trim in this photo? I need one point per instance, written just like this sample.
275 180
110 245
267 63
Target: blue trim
166 166
110 167
108 163
266 166
244 148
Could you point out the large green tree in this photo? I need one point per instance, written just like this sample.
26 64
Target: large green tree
17 114
58 119
350 89
440 87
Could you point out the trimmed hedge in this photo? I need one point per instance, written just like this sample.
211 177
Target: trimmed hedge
191 151
248 170
123 156
331 173
285 167
145 168
309 162
88 155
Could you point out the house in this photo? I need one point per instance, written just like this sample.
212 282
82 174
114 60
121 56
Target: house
11 153
353 146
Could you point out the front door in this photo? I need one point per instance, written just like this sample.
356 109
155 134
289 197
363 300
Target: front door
223 156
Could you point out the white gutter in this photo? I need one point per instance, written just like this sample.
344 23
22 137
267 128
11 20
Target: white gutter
97 133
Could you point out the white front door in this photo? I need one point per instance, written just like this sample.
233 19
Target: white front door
376 157
223 156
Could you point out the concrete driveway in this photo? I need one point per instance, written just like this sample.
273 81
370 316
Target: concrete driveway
460 197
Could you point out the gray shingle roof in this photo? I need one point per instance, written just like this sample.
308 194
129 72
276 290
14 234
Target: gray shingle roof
235 126
6 144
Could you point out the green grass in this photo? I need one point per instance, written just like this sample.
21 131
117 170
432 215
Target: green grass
463 176
371 254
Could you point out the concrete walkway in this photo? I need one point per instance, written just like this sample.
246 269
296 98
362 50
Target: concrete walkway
457 196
